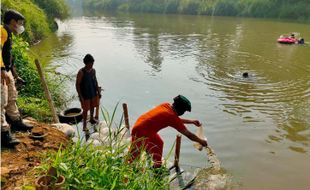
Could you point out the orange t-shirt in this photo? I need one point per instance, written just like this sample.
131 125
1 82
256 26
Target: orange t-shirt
156 119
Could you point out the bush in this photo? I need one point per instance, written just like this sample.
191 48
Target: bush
39 14
226 8
25 69
189 7
32 99
54 8
172 6
35 107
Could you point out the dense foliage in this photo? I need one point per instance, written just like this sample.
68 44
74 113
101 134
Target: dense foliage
284 9
31 98
54 8
39 15
39 23
36 24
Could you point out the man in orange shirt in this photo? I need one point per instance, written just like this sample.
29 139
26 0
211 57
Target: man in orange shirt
145 131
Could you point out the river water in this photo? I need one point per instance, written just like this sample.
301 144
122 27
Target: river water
258 126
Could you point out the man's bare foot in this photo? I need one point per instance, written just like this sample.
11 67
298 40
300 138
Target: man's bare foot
93 121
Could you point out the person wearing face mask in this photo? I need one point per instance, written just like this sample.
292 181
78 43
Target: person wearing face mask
145 131
13 22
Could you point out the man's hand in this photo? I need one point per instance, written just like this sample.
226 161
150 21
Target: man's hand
204 143
99 91
20 81
196 122
4 78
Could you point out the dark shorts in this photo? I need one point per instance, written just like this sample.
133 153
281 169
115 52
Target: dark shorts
90 103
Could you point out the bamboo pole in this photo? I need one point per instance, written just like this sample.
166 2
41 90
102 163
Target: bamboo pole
47 92
125 109
177 152
97 108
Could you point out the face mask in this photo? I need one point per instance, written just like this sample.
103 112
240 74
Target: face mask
20 29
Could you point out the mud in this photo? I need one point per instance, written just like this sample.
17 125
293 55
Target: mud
17 164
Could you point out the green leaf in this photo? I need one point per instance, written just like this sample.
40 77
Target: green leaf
28 188
63 166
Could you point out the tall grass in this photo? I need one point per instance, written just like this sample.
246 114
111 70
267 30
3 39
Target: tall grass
103 167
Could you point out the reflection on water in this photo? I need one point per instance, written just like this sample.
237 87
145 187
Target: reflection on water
257 122
149 49
54 48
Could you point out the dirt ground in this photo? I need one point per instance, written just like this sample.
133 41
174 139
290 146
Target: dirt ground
17 164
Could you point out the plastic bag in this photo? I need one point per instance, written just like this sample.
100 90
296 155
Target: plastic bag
201 135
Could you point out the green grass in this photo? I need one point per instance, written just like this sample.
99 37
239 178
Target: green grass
88 167
32 100
103 167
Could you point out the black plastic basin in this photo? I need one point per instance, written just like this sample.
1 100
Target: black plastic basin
71 116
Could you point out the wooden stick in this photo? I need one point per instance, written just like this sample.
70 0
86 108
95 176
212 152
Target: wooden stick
97 108
126 116
47 92
177 152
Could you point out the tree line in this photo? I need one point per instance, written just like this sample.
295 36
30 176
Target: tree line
282 9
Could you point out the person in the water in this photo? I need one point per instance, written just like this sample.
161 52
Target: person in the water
245 75
301 41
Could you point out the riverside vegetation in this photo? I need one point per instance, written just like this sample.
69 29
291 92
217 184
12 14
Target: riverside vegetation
40 22
282 9
83 165
86 166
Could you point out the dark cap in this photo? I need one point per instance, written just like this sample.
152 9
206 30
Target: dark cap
183 102
12 15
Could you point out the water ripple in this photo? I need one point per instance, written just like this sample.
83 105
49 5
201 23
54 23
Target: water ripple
259 92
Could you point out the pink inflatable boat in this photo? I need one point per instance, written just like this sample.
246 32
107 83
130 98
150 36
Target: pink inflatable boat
287 40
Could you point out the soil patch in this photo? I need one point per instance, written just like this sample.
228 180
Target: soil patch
16 163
